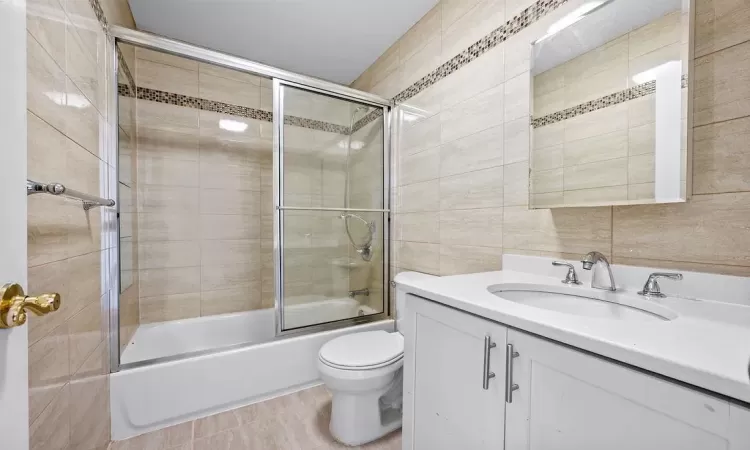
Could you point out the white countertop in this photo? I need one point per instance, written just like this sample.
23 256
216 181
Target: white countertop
707 346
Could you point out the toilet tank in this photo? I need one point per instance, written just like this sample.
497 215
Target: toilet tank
401 293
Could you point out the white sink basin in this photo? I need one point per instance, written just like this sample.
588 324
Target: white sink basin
584 302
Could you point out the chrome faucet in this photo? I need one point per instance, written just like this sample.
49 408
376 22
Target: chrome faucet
652 289
588 262
571 278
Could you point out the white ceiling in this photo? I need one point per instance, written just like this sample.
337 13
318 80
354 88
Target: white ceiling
331 39
612 20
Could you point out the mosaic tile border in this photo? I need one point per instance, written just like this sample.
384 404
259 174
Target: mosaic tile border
606 101
187 101
369 117
102 19
99 12
125 69
501 34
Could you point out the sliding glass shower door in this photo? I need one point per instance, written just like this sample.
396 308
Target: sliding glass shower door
331 208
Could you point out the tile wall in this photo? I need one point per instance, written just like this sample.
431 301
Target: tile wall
70 250
205 199
366 185
129 307
607 155
461 168
199 210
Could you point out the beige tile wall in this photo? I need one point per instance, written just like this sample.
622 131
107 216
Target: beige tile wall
129 308
205 200
199 189
471 118
366 174
68 251
605 156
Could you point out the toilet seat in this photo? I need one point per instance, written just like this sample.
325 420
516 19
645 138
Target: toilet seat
363 351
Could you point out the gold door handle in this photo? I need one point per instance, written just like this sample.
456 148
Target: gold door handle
14 303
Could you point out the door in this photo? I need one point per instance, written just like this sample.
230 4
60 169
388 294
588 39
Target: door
14 391
569 400
330 197
451 399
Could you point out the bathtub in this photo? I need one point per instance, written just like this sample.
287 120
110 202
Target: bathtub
159 395
179 337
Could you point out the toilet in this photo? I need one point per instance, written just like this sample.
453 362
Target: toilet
364 373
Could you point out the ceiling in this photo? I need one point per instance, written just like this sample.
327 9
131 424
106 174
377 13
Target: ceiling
613 19
331 39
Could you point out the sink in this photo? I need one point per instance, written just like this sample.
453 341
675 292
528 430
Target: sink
584 302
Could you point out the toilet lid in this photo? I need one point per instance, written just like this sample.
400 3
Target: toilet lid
367 349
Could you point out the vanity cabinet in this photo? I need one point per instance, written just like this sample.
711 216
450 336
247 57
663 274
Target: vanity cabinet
568 399
565 398
445 400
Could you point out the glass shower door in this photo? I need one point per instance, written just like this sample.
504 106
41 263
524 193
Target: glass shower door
331 214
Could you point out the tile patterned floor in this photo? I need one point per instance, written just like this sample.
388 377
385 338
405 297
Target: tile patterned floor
297 421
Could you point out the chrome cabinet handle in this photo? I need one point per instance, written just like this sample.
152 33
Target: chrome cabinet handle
486 374
509 386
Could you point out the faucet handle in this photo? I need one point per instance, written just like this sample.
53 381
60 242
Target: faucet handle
652 288
571 277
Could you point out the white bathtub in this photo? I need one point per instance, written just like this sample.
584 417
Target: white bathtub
159 395
177 337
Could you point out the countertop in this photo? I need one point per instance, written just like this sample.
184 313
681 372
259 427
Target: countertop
698 347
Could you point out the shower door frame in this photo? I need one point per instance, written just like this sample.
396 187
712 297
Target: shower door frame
117 34
280 207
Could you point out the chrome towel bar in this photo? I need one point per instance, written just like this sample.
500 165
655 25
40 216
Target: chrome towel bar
89 201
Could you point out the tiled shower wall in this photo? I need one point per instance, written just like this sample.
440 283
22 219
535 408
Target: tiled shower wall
365 171
205 200
200 187
129 308
462 163
605 155
70 250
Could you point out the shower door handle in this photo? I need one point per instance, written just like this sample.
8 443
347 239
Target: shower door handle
486 374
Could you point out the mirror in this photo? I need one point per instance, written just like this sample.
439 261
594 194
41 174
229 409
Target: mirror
610 106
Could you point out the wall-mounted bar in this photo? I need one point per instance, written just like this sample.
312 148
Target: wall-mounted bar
312 208
89 201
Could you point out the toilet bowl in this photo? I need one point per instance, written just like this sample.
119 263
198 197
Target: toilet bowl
363 372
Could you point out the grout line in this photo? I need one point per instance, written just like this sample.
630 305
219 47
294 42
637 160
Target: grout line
747 116
65 135
695 58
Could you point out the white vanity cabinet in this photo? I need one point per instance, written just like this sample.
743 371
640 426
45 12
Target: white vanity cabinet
565 399
446 405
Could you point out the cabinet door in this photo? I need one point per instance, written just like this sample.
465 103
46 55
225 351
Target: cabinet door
446 405
569 400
